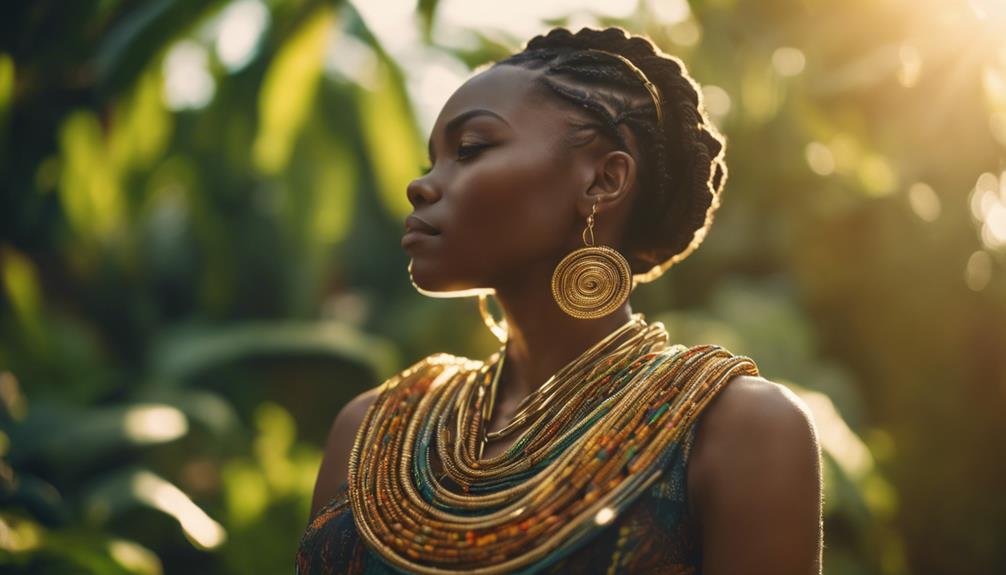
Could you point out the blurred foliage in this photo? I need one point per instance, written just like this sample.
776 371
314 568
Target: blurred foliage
200 263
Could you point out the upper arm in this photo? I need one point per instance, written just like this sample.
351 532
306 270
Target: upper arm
335 460
756 473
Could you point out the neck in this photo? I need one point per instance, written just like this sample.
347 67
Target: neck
543 338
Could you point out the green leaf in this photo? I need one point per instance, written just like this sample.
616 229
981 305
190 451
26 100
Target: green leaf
72 436
137 487
206 408
288 90
188 352
390 132
137 38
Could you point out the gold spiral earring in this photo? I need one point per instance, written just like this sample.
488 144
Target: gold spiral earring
591 281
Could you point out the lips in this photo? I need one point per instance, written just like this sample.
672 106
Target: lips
414 223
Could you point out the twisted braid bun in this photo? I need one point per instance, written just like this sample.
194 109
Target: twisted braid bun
682 171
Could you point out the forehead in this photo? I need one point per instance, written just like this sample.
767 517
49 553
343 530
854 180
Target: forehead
507 90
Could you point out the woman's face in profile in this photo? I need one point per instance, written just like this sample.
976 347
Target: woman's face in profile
503 186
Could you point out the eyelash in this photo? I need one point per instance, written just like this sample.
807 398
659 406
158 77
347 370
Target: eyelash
474 150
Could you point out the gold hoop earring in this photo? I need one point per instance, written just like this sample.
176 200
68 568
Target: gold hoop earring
498 329
591 281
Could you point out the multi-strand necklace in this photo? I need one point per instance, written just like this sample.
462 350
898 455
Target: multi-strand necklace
595 435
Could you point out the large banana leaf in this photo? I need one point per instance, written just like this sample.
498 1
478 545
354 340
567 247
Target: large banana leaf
129 488
69 437
185 353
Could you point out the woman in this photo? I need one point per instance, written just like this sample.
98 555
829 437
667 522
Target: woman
562 177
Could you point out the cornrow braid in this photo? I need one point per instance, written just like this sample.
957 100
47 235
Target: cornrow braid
682 170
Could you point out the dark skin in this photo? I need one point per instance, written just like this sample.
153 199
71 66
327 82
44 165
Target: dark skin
508 212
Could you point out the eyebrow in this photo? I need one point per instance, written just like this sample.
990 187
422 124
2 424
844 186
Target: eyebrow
454 123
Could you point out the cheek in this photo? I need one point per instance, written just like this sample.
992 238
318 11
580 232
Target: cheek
515 203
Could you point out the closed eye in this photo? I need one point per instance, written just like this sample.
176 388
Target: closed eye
465 152
469 151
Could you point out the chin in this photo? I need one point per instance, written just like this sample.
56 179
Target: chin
428 282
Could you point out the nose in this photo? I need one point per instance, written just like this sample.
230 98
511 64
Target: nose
419 192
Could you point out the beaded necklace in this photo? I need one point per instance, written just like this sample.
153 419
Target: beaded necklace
597 435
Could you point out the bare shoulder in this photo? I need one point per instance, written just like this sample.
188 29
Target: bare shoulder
335 460
749 404
751 422
754 476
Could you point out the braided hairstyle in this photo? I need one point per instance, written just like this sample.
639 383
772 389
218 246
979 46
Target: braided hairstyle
682 171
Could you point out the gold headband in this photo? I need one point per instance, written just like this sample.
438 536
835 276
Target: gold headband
650 87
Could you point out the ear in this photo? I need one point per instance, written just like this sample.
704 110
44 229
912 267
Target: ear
614 175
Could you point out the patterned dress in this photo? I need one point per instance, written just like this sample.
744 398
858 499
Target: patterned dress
655 535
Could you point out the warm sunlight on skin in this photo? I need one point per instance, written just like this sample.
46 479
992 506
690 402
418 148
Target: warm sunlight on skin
953 38
204 284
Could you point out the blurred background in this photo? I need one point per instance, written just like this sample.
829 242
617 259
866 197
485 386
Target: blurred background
202 203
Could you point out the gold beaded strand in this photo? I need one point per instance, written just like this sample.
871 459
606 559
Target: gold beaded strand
595 435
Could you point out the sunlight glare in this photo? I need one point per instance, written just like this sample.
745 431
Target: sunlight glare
19 535
978 270
995 223
187 80
670 11
988 206
241 25
994 82
158 493
997 125
877 175
134 557
393 22
819 158
524 18
432 78
846 151
604 516
911 65
983 195
988 9
716 101
836 437
788 61
686 33
154 423
924 201
352 59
